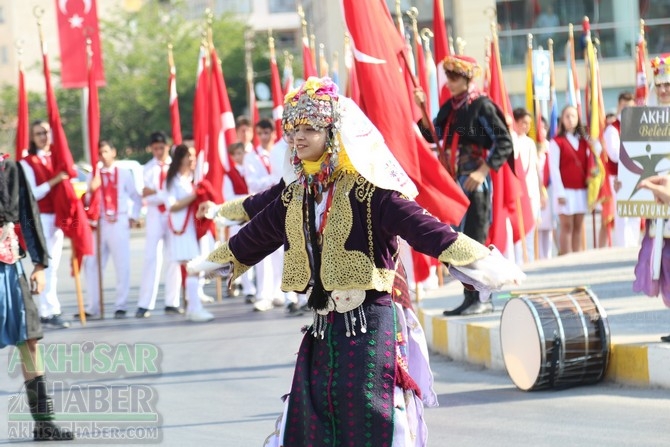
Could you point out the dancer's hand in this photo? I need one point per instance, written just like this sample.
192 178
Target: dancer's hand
659 185
37 280
476 178
203 209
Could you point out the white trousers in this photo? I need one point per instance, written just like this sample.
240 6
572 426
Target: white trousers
247 278
155 249
49 304
114 242
265 287
626 229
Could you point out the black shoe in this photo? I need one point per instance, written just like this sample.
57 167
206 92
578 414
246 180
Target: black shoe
48 431
55 322
470 297
294 310
666 338
250 299
467 302
478 308
173 310
142 313
120 314
88 316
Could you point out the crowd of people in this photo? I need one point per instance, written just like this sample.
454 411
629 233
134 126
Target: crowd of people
319 216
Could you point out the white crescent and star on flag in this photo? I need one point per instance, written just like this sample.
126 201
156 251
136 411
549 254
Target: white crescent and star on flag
75 20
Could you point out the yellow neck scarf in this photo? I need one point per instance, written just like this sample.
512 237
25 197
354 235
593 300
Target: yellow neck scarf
343 164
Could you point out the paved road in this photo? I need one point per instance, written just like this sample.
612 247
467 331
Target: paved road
220 383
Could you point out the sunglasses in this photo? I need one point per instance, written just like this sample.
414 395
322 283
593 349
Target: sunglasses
42 133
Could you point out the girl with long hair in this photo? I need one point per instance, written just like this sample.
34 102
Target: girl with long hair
568 161
180 197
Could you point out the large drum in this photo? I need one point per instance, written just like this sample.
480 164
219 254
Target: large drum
554 339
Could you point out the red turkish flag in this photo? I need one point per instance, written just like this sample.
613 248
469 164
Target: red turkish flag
253 110
441 39
78 21
277 95
378 67
510 194
200 117
22 126
308 64
70 214
221 134
92 207
175 120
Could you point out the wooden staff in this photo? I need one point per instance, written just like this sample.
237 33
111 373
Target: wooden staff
77 285
98 258
426 120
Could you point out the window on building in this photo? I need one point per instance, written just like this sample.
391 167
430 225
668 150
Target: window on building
614 23
656 15
277 6
2 15
285 40
232 6
4 55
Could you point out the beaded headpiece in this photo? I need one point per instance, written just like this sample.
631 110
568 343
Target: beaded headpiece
660 66
463 65
315 103
354 144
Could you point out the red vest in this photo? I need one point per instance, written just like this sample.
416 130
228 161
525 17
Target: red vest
573 163
43 173
612 166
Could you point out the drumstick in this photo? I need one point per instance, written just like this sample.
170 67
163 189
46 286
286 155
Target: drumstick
515 293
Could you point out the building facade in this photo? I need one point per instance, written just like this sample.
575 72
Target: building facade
615 23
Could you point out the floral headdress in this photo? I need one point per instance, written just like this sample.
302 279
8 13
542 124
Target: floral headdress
660 65
354 143
315 103
463 65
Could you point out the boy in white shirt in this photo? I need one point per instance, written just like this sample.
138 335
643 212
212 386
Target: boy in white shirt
118 192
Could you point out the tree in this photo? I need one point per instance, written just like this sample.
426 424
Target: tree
134 101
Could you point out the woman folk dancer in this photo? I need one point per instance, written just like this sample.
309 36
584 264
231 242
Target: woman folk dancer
19 320
339 222
659 185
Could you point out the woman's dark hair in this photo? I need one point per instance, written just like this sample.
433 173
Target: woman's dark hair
180 152
579 130
520 113
32 148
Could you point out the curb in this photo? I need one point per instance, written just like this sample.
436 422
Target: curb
476 340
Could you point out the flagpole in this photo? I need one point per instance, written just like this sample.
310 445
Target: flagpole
98 236
426 119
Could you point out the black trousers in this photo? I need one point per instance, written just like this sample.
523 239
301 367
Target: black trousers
477 220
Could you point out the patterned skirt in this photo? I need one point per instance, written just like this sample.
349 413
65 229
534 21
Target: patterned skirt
355 391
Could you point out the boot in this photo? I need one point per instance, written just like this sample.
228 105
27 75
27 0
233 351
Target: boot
470 297
666 338
42 409
478 307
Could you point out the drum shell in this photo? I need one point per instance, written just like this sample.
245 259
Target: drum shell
572 335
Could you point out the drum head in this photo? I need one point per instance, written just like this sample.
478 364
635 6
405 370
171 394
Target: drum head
520 341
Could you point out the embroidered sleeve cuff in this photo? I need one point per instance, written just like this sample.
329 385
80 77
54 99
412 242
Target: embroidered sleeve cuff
234 210
463 251
223 255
